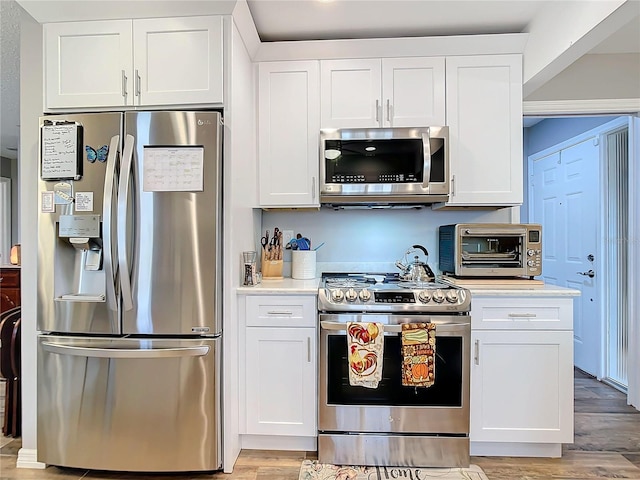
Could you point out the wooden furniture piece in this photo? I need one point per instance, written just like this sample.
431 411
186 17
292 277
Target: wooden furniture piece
10 333
9 288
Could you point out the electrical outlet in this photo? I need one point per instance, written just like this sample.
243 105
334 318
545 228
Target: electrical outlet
287 236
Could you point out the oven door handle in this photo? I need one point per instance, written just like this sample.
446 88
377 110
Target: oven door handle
337 326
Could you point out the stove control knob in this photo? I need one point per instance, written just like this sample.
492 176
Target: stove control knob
351 295
365 295
438 296
337 295
424 296
530 263
530 252
452 296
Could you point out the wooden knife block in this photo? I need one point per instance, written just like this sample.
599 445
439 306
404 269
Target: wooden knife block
271 269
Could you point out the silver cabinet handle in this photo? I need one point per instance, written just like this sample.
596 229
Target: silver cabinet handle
522 315
453 185
388 111
308 349
476 354
378 111
125 352
137 83
124 84
275 312
313 188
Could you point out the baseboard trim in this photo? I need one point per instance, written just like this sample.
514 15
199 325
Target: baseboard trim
508 449
275 442
28 458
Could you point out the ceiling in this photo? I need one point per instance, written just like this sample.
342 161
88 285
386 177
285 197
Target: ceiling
291 20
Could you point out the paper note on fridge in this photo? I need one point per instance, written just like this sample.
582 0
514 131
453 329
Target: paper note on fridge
173 169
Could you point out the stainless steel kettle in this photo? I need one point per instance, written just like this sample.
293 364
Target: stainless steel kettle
415 271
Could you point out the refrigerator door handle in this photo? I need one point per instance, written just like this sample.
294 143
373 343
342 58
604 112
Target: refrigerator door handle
90 352
107 220
123 234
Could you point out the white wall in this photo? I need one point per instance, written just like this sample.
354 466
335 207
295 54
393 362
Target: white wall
371 239
594 77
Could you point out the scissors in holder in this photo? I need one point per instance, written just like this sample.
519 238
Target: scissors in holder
265 240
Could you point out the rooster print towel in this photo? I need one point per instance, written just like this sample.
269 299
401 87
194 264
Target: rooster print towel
365 342
418 354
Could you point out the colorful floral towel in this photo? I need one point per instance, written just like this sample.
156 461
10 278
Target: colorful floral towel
365 343
418 354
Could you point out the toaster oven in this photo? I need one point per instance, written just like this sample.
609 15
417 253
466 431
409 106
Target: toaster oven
490 250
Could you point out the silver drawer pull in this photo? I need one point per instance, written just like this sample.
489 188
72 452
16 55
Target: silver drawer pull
522 315
476 355
275 312
308 349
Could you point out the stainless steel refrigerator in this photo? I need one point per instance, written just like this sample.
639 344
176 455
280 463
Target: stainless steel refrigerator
129 292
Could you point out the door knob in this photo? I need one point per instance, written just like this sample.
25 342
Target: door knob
589 274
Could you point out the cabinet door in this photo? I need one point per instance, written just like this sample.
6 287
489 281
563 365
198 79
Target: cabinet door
350 93
178 60
281 392
288 136
484 114
522 386
413 91
88 64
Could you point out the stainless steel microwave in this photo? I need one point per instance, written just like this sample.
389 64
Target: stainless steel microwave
379 166
490 249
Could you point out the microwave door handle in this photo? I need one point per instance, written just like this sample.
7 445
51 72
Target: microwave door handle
426 168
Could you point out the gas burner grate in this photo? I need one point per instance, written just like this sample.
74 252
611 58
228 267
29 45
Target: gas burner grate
345 282
418 285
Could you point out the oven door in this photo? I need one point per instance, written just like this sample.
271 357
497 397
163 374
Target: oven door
442 408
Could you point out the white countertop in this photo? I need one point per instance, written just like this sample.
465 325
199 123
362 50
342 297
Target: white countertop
288 286
546 290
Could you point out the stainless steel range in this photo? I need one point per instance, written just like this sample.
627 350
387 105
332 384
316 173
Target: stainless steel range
392 424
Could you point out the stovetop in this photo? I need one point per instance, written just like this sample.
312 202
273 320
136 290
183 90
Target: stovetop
388 292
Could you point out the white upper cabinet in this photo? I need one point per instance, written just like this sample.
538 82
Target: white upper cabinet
413 92
288 133
163 61
178 60
484 115
390 92
88 64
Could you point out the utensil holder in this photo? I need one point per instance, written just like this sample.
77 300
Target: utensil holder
303 264
271 269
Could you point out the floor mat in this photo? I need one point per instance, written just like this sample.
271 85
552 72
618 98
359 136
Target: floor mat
313 470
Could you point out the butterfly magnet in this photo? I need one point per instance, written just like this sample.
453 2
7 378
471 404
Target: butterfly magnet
100 154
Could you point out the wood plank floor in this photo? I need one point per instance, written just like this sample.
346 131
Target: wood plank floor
607 445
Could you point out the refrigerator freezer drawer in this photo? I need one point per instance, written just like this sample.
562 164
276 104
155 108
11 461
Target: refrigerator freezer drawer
129 404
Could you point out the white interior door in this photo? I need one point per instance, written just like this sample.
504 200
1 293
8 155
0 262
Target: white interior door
565 196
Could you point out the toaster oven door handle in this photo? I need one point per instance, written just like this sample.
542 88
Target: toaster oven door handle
494 231
426 168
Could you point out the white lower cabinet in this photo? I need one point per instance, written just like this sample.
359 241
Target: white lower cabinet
522 386
280 366
521 375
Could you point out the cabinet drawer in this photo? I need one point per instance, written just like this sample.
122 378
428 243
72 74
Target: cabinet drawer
281 311
9 278
523 313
